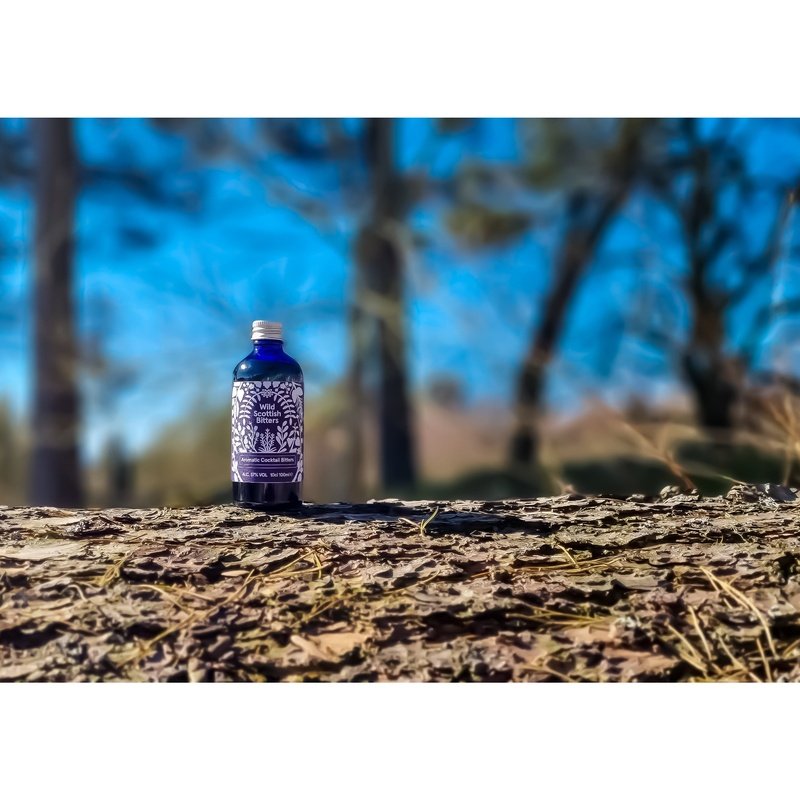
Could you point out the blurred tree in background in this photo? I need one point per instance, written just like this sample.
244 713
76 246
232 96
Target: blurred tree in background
55 467
375 193
43 159
703 177
705 181
596 178
588 167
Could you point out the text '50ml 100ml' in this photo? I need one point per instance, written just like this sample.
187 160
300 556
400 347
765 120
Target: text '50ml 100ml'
267 423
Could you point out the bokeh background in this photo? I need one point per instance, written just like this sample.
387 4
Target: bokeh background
482 308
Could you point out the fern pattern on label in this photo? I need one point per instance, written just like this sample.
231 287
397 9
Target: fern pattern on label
267 431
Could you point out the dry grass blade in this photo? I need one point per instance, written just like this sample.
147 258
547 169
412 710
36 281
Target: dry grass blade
422 526
785 419
737 663
744 601
537 666
113 572
789 648
281 570
562 618
767 670
581 566
659 453
699 628
344 591
693 658
567 554
169 592
193 617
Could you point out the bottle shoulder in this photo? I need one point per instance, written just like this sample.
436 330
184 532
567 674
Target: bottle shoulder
278 366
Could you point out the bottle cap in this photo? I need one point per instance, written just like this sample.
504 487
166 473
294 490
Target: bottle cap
264 329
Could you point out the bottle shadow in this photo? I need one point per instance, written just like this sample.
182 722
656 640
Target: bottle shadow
431 518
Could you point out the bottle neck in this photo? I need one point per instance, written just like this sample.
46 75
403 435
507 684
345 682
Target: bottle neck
267 345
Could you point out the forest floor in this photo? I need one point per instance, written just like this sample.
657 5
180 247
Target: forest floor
566 588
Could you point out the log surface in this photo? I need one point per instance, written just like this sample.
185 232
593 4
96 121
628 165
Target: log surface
566 588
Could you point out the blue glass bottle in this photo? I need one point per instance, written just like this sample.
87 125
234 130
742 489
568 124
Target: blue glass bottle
267 424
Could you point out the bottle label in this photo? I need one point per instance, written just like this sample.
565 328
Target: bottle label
267 432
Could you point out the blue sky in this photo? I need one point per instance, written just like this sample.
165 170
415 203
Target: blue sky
173 292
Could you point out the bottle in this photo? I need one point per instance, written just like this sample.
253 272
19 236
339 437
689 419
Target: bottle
267 423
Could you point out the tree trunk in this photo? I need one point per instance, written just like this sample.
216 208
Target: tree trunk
380 313
55 477
356 402
590 215
394 424
117 467
576 255
714 395
530 391
9 458
708 371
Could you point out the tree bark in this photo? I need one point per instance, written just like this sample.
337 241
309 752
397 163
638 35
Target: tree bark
564 588
55 476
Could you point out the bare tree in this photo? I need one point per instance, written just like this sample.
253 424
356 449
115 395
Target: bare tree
578 174
589 212
706 181
55 175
